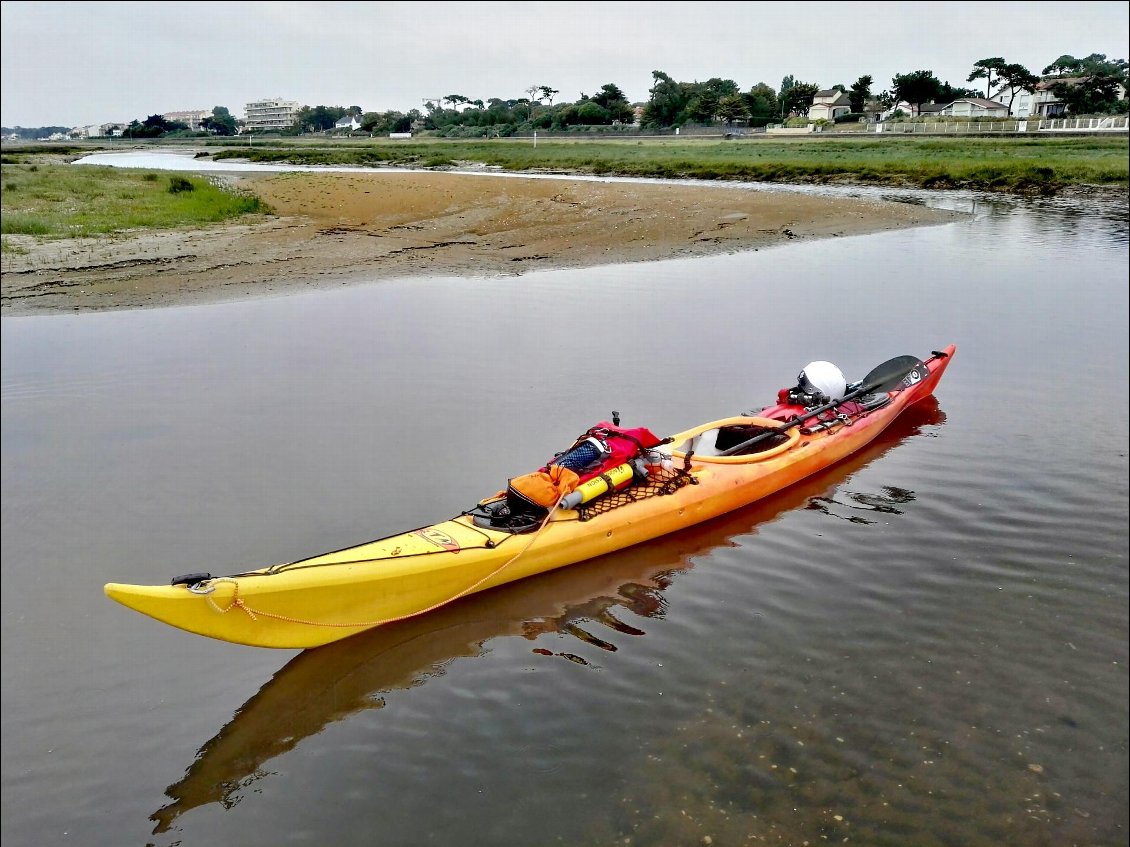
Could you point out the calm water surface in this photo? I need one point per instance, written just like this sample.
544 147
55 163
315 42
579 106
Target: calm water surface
926 645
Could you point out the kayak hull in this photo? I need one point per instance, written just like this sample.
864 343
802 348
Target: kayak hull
329 597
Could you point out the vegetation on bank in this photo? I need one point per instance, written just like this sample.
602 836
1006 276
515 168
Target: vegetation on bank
62 201
1023 165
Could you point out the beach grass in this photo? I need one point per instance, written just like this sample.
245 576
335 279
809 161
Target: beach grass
53 201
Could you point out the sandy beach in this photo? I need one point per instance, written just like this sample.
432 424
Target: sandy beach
331 229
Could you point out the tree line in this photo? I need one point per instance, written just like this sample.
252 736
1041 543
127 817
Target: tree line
1090 85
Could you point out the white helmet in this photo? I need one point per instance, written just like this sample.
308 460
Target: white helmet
824 378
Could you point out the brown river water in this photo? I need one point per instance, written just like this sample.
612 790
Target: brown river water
924 645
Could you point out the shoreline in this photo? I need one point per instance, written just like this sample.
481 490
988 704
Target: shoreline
331 229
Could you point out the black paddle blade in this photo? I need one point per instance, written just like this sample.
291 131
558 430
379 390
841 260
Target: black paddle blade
888 375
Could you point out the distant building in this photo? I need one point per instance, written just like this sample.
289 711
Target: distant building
98 130
873 109
828 105
270 115
931 109
914 109
1046 104
191 119
1042 102
349 123
975 107
1022 102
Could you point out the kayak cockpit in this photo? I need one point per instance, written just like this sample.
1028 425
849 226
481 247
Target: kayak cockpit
708 441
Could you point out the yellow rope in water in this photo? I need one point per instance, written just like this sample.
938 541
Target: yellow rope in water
238 603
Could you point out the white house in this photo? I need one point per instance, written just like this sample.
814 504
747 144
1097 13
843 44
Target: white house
349 123
1020 103
913 109
828 105
975 107
1041 103
1044 103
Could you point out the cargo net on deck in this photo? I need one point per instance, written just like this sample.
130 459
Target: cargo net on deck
662 481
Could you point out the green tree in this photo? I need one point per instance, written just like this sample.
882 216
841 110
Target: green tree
984 69
318 118
764 107
548 93
732 108
380 123
948 93
609 93
787 82
221 122
1062 66
720 87
1092 85
667 101
703 107
584 113
673 103
916 88
1013 77
860 93
404 122
621 111
153 126
798 98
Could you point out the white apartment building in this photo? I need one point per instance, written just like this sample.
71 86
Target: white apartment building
270 115
192 119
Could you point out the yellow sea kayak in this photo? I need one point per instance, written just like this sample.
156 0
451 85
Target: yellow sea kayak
315 601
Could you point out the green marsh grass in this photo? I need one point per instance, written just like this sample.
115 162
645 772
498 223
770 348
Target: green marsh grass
1016 163
67 201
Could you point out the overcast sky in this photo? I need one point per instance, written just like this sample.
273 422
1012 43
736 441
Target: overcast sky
73 64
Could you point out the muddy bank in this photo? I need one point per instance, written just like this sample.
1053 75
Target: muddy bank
333 229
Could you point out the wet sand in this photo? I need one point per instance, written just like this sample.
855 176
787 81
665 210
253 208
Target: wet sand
332 229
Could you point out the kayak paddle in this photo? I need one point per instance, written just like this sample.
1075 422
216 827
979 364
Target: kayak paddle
883 378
